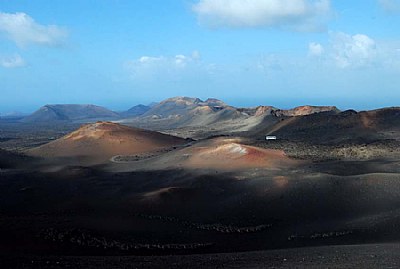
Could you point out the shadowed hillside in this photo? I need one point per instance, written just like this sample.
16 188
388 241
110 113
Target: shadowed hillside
335 127
10 159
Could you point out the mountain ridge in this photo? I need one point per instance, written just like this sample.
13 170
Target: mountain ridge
69 112
169 107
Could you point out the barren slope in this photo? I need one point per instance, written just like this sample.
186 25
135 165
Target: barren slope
331 127
221 154
192 117
102 140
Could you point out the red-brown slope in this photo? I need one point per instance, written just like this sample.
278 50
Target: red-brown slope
102 140
231 154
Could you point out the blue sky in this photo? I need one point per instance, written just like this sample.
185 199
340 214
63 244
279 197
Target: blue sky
118 53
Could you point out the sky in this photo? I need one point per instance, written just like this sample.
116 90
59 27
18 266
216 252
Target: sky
119 53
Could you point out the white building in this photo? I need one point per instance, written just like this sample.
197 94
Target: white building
270 137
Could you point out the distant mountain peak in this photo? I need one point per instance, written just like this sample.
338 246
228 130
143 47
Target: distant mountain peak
194 101
215 102
263 110
137 110
69 112
182 100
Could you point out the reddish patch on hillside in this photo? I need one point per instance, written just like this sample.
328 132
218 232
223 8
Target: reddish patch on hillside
229 154
307 110
368 119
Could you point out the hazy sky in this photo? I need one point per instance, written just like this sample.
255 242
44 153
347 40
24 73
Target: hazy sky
119 53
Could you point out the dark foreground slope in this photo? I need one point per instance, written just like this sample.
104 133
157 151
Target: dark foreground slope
350 256
10 159
84 211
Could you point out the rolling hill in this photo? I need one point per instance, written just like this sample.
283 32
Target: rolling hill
98 142
217 154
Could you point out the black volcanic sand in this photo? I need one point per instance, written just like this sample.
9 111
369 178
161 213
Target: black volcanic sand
348 256
85 211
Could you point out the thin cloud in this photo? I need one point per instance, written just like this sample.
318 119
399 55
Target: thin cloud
149 66
315 49
390 6
24 30
302 15
13 62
